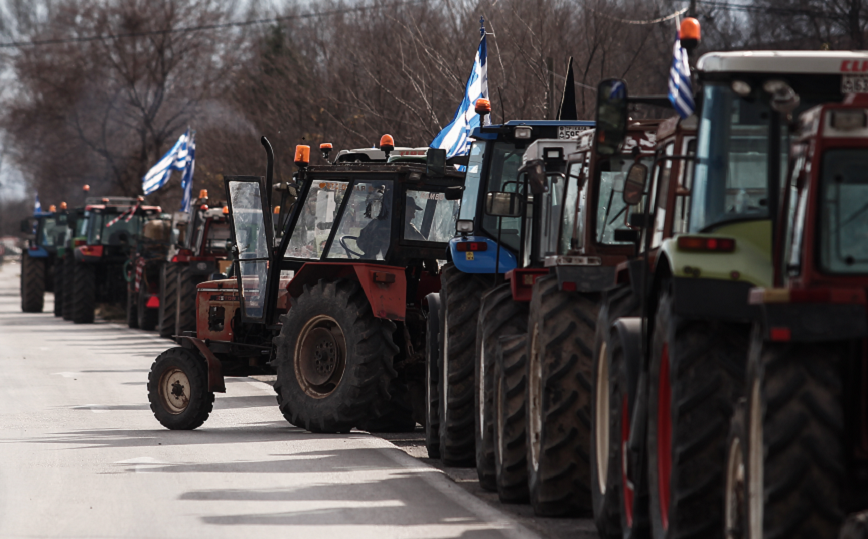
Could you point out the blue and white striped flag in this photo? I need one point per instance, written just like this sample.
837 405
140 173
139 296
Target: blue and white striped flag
680 87
187 178
175 159
37 207
454 138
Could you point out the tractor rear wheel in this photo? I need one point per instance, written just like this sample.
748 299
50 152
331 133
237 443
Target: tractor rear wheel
794 456
185 317
334 358
84 293
68 285
432 374
460 296
613 495
178 389
561 332
499 316
147 316
510 399
696 376
57 270
168 299
32 284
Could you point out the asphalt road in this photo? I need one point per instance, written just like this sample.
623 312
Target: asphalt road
81 455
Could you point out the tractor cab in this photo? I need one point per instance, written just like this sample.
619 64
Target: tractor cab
112 227
493 166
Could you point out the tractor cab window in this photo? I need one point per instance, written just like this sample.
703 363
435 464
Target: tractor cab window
118 231
216 237
471 180
575 199
365 229
318 212
612 212
428 216
732 159
503 176
48 232
843 212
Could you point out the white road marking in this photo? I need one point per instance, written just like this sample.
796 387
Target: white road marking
67 374
95 408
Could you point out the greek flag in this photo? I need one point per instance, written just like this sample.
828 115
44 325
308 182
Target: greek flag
680 87
37 207
187 178
454 138
175 159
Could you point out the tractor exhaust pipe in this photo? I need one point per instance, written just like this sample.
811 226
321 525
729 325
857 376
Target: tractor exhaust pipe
269 169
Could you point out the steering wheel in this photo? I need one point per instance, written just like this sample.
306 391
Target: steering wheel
349 251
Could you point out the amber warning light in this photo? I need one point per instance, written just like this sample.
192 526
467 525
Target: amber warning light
690 33
203 193
483 107
302 155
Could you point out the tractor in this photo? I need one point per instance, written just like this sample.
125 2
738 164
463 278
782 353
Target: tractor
484 248
111 226
685 352
38 259
336 309
143 272
797 454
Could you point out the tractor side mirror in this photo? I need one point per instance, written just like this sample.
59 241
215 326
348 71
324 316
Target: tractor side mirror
26 226
436 162
611 115
503 204
634 186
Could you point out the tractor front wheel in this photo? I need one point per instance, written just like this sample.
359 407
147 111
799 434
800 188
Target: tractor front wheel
84 293
334 359
510 398
178 389
168 299
68 285
432 379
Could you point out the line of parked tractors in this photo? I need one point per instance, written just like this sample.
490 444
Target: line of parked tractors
659 323
119 251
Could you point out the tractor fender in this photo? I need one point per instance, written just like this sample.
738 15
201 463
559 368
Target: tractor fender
384 286
215 370
479 261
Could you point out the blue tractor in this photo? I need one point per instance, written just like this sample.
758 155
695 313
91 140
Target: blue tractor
485 248
48 232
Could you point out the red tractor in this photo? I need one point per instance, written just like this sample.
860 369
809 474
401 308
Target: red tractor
335 309
797 456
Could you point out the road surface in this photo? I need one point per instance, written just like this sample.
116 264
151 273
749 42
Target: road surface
82 455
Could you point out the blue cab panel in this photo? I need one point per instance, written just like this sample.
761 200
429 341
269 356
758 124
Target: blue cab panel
39 252
481 261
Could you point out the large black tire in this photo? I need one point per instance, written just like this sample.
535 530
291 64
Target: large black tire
84 293
396 415
185 315
735 506
178 389
499 316
696 376
132 307
334 358
460 297
795 439
510 398
432 377
68 285
57 270
168 299
617 513
855 527
561 330
32 284
147 317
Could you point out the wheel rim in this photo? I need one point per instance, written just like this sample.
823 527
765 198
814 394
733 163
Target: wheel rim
320 356
535 399
664 436
627 486
733 517
602 419
174 390
755 463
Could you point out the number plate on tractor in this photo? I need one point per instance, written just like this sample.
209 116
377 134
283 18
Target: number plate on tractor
570 132
854 84
468 255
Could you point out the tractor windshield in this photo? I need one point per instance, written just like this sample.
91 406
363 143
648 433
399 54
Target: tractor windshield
612 212
428 216
48 229
471 180
730 180
316 219
113 229
843 212
365 229
503 176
